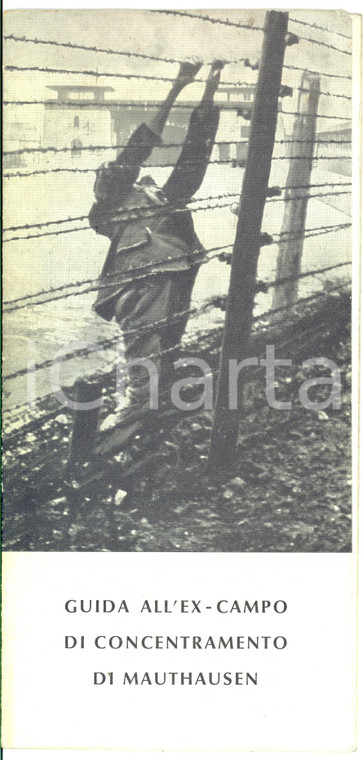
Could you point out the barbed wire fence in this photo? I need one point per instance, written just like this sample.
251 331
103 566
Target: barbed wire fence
291 193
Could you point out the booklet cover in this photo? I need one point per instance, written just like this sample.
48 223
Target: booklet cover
181 247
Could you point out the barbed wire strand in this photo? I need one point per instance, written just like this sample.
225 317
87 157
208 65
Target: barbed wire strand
314 296
148 77
314 234
90 48
211 303
321 28
327 227
86 148
96 285
273 241
311 273
116 75
156 212
325 93
108 216
83 148
144 56
238 25
140 213
205 17
171 165
306 197
317 73
17 304
291 67
56 413
125 216
47 234
320 43
79 170
107 51
193 200
88 281
39 421
220 162
318 184
317 115
185 106
108 343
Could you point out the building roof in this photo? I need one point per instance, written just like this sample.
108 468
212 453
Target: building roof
79 87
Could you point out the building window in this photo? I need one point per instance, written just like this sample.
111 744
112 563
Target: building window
76 121
247 96
81 95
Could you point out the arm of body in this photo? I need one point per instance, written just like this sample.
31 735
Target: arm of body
190 169
115 179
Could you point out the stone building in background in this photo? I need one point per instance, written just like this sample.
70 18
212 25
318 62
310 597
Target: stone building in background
17 136
78 116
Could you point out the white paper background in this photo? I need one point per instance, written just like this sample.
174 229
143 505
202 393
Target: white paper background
305 694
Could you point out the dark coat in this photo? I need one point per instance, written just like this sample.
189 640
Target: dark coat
161 238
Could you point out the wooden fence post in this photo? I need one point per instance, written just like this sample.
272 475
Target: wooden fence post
246 249
293 224
84 423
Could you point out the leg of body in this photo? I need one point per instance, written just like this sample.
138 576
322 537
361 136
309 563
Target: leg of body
141 311
181 288
152 319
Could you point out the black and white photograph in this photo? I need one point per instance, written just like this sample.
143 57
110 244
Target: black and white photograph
177 281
